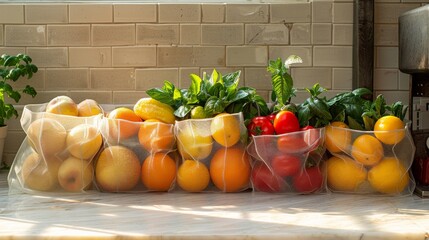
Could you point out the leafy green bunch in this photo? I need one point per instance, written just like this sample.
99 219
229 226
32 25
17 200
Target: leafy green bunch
214 93
13 68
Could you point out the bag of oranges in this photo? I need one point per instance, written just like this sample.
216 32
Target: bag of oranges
289 162
370 162
137 155
62 138
213 152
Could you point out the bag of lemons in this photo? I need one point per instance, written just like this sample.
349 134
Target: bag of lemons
370 162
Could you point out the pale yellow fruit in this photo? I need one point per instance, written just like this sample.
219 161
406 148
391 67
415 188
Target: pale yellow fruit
225 129
194 141
40 173
117 169
84 141
75 174
62 105
88 107
47 136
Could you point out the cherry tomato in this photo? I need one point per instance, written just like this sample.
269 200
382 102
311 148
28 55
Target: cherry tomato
264 180
292 143
309 180
260 126
286 122
286 165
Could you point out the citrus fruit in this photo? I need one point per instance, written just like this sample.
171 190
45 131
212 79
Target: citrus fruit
194 141
230 169
367 150
389 129
158 172
337 137
155 136
198 113
344 174
193 176
117 169
122 123
389 176
84 141
225 129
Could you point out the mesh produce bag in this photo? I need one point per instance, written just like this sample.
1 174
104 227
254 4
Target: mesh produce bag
288 163
369 162
57 153
137 155
213 154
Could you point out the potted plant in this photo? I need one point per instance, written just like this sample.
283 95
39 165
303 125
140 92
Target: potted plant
12 68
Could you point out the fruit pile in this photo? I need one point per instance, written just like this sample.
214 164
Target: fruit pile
218 136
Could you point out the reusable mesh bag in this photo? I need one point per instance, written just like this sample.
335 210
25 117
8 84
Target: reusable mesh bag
137 156
213 154
57 152
288 163
369 162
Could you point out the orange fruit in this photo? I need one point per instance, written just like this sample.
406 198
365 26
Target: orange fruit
230 169
158 172
194 140
122 123
225 129
337 137
155 136
344 174
193 176
389 129
367 150
389 176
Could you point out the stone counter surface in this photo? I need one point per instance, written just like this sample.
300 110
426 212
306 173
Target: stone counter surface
244 215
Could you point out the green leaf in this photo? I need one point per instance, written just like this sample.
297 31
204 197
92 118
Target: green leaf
168 87
30 91
177 95
182 111
368 123
292 59
195 86
161 95
353 124
214 105
361 92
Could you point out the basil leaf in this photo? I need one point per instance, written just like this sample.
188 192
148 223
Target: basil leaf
182 111
195 86
214 105
160 95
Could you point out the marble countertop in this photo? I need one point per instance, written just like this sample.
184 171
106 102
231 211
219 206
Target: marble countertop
211 215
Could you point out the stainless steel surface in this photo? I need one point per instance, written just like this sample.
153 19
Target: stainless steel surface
414 41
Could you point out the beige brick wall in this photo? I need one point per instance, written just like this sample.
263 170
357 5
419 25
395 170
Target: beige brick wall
113 52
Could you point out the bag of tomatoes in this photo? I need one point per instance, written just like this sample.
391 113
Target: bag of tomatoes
287 159
139 150
370 162
213 152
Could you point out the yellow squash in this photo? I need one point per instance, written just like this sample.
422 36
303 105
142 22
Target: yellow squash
149 108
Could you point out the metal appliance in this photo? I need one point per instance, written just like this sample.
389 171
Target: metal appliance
414 60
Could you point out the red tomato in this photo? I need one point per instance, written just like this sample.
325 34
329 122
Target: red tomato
260 126
286 122
264 180
286 165
309 180
272 117
291 143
